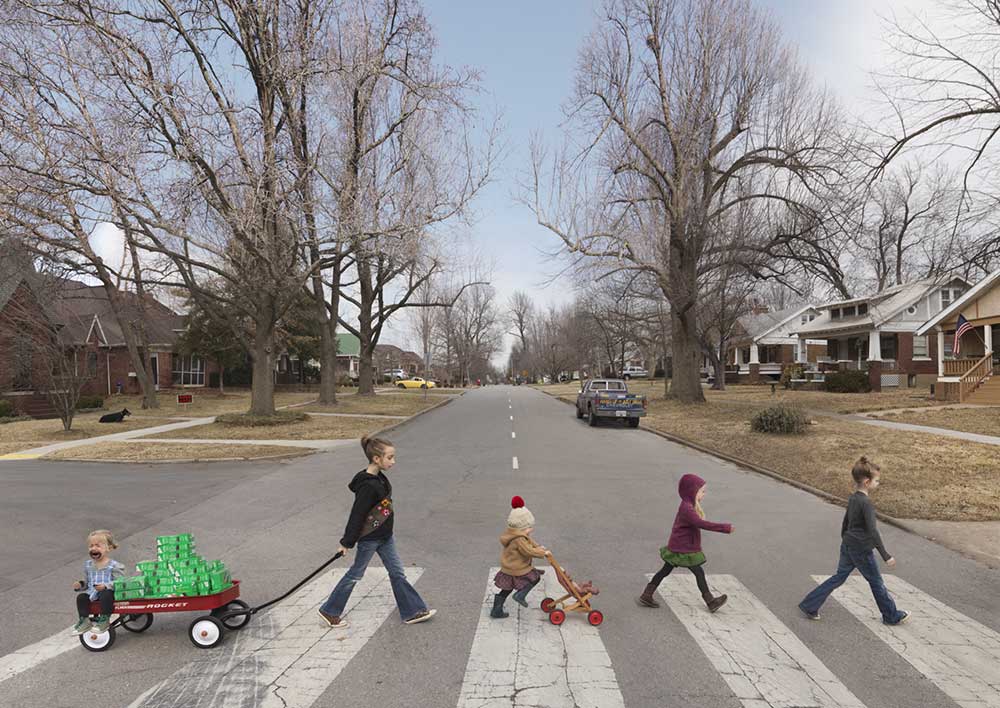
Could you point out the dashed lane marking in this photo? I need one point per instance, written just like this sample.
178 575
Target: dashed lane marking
515 463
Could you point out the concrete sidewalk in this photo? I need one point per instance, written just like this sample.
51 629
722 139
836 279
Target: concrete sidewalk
311 444
36 452
910 427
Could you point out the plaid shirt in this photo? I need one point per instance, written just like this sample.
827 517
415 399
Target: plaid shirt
101 576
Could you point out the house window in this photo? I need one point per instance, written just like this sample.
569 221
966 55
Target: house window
833 349
849 311
804 319
835 314
295 366
863 309
188 371
920 346
888 346
91 363
812 317
949 344
945 298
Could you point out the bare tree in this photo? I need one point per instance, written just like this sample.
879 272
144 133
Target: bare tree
686 111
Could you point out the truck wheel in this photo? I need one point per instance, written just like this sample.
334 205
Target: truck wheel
579 413
626 377
633 422
591 418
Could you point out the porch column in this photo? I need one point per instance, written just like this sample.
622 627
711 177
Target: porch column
754 363
801 352
988 337
754 354
874 345
736 356
940 351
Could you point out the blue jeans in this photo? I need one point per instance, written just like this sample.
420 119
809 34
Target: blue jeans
866 564
407 599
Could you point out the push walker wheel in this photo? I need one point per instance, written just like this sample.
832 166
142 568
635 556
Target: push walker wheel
595 618
137 623
98 641
557 617
235 622
548 604
205 632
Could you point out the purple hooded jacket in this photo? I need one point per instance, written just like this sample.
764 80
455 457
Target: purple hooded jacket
685 537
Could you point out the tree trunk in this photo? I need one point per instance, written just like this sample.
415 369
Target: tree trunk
327 367
366 373
262 386
686 383
222 374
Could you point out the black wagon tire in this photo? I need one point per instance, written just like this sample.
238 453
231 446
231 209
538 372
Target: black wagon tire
205 632
93 641
234 623
591 417
137 623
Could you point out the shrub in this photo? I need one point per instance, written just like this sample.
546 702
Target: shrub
779 419
89 402
6 408
848 382
248 420
791 372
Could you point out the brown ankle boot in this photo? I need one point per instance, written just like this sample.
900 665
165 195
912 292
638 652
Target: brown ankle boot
647 599
714 603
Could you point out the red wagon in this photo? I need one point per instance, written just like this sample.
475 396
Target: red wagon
221 611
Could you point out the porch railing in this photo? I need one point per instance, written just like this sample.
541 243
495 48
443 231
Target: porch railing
974 376
958 367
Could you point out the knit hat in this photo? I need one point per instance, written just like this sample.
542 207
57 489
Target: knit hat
519 516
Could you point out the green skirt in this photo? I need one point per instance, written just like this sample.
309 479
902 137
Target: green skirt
683 560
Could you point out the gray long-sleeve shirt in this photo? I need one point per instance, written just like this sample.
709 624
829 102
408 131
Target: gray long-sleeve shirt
859 530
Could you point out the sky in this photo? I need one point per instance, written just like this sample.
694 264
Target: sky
526 52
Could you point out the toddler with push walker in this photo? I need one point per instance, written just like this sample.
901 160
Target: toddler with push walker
517 575
100 572
684 547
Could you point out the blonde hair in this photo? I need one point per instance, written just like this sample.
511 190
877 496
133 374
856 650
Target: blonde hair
375 447
864 469
697 508
109 538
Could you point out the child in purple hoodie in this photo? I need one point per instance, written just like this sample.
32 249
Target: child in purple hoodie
684 547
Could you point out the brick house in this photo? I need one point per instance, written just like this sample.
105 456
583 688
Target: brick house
878 333
764 343
289 370
89 328
388 357
969 374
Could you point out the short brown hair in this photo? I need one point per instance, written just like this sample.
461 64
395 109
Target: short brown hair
374 447
109 538
864 469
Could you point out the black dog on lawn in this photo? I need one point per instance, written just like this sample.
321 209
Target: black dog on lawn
115 417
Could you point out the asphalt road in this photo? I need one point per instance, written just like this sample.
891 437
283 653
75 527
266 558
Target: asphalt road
604 500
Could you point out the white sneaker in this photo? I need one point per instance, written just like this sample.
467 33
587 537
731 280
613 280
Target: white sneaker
421 617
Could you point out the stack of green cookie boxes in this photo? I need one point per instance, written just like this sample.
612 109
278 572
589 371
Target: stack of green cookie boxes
177 572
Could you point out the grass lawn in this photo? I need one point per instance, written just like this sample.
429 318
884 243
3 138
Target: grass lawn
984 421
924 476
146 452
207 402
380 404
40 432
313 428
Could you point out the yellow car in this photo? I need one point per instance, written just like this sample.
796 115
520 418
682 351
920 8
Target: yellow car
415 382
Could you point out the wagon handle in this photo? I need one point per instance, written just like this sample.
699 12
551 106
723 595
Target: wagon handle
254 610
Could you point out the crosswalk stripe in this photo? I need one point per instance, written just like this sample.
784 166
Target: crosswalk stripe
31 656
754 652
285 657
526 661
957 654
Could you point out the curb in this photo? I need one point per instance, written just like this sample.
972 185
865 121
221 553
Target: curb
282 456
832 498
401 423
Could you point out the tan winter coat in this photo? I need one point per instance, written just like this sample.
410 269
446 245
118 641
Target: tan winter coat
518 550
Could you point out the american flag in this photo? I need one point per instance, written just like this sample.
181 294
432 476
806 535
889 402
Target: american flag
961 328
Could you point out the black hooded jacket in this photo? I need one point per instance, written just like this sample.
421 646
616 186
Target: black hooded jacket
369 490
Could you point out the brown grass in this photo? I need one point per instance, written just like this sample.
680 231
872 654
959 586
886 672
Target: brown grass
160 452
313 428
924 476
380 404
207 402
41 432
9 447
984 421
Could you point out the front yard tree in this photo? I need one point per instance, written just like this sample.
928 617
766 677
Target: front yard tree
684 111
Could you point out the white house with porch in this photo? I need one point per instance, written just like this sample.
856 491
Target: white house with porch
766 342
968 374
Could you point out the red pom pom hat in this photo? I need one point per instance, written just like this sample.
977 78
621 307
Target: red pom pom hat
520 517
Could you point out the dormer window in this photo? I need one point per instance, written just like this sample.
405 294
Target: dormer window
945 298
863 309
849 311
835 313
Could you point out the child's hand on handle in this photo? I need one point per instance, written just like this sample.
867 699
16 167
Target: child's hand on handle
100 586
78 585
343 551
891 562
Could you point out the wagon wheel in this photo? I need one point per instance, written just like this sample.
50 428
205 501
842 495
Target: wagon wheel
98 641
137 623
557 617
548 604
595 617
205 632
236 621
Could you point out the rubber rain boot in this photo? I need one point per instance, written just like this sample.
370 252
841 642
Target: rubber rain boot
498 612
714 603
646 599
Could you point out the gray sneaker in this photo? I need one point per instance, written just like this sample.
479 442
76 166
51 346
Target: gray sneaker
82 625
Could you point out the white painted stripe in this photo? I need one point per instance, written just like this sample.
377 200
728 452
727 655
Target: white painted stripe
525 661
758 656
515 462
511 407
956 653
285 657
513 434
512 417
31 656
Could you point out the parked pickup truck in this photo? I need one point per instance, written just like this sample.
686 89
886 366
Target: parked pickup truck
609 398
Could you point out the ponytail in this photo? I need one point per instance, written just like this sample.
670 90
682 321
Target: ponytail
374 447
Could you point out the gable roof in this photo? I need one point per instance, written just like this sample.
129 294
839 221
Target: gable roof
348 344
970 296
81 303
757 326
